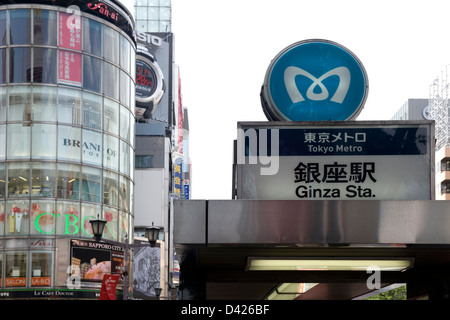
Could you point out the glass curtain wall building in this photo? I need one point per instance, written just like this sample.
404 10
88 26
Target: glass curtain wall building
153 15
66 135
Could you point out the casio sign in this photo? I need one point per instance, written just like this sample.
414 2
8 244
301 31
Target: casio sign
148 38
314 80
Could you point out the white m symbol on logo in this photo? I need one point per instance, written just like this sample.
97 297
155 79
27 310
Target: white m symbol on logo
344 82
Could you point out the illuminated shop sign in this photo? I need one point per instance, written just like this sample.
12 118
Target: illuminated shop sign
66 221
364 161
314 80
91 260
108 10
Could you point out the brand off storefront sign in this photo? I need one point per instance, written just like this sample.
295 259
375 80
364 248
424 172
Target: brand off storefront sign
348 161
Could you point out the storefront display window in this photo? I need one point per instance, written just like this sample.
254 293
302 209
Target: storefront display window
111 216
45 27
17 220
43 217
20 27
3 216
68 218
41 269
44 103
89 212
18 179
16 269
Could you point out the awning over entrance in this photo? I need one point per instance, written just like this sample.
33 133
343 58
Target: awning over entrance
216 239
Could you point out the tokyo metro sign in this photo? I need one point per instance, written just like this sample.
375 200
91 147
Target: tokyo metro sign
314 80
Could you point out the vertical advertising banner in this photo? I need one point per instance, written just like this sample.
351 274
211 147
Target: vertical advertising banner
69 37
109 284
177 176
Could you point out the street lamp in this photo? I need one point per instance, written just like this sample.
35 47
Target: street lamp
152 234
97 228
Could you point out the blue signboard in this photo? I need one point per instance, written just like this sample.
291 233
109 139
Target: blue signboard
314 80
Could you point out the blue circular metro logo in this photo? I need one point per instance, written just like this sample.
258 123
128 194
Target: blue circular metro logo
314 80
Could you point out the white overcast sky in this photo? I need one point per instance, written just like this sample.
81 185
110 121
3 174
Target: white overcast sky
224 48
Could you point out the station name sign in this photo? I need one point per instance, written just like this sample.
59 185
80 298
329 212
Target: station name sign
342 160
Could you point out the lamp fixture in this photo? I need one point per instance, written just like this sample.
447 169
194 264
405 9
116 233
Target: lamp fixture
97 228
327 264
152 234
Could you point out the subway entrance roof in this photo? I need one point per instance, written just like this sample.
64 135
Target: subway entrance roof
216 239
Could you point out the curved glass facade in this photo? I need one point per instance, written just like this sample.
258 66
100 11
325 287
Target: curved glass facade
66 135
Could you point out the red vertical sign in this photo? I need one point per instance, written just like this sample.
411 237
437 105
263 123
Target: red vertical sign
109 284
69 37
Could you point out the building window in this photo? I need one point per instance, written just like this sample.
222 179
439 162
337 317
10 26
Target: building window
44 57
68 186
16 269
43 144
20 26
92 36
43 179
18 179
44 103
445 187
144 161
92 74
41 269
17 213
18 141
91 184
69 106
445 165
45 27
20 64
20 106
